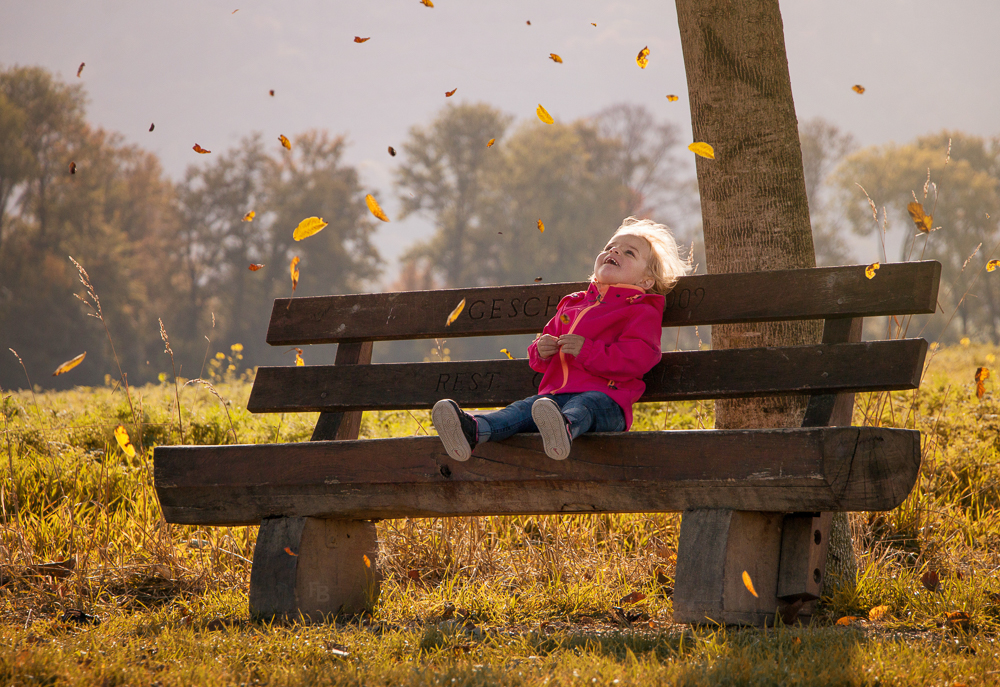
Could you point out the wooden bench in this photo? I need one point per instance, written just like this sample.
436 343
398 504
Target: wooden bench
757 500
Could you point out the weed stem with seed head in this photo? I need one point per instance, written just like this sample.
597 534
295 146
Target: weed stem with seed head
177 395
208 385
30 388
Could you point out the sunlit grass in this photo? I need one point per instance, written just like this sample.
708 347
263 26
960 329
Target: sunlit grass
511 600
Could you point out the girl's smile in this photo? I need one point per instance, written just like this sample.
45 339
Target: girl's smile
625 260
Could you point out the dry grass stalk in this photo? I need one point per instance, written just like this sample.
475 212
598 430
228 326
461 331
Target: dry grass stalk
177 395
207 384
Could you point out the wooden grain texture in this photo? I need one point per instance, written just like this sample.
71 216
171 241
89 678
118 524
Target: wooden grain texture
805 538
815 293
680 375
847 468
273 573
343 425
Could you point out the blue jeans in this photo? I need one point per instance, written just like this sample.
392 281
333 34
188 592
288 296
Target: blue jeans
590 411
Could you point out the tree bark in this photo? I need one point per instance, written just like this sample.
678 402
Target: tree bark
755 212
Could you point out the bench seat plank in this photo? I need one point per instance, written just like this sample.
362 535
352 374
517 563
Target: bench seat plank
818 469
681 375
814 293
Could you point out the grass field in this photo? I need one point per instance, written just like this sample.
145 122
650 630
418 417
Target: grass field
95 589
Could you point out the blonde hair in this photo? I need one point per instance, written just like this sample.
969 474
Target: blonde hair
666 265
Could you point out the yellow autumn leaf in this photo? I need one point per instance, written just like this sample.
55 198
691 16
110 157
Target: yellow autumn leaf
294 269
992 265
368 562
69 364
455 313
858 88
289 551
748 583
846 620
982 374
489 144
672 98
878 613
871 269
375 207
702 149
541 226
299 362
121 434
427 3
308 227
555 58
642 59
921 219
284 141
543 114
249 216
506 353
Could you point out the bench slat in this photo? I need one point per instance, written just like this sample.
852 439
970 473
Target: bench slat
680 375
816 293
820 469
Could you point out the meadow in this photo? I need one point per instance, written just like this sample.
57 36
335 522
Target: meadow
96 589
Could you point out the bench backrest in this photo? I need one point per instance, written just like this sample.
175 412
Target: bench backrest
839 295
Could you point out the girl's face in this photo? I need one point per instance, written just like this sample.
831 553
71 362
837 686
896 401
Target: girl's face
625 260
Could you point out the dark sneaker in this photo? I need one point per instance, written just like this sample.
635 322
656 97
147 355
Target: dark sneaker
458 430
553 427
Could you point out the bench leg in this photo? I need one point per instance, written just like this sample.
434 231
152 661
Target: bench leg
313 568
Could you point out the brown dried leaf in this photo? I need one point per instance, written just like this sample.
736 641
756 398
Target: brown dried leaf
957 620
931 580
271 92
256 266
198 149
152 126
982 374
79 70
359 39
289 551
72 167
847 620
392 151
538 279
448 94
633 598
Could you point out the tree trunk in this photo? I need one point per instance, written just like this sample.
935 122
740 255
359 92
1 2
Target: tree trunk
755 212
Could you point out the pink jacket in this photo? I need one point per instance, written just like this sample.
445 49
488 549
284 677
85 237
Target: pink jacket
622 325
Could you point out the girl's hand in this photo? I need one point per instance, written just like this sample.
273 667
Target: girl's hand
547 346
571 344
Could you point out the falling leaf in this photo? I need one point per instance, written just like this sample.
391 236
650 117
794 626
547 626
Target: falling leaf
284 141
871 269
992 265
235 11
79 69
448 94
920 218
289 551
878 613
982 374
427 3
392 151
555 58
564 318
249 216
507 353
672 98
271 92
72 167
69 364
375 207
541 226
797 642
152 126
308 227
455 313
931 580
702 149
528 22
847 620
642 59
543 114
198 149
294 269
299 362
634 597
256 266
593 24
537 279
489 143
359 39
121 434
858 88
748 583
368 563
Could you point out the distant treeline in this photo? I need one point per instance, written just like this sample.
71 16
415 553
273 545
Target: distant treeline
181 252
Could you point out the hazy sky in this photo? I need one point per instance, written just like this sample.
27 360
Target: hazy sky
202 73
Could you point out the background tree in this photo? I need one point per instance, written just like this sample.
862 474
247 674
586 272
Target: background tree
824 145
957 179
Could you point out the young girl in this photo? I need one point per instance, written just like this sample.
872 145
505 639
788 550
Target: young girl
592 354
